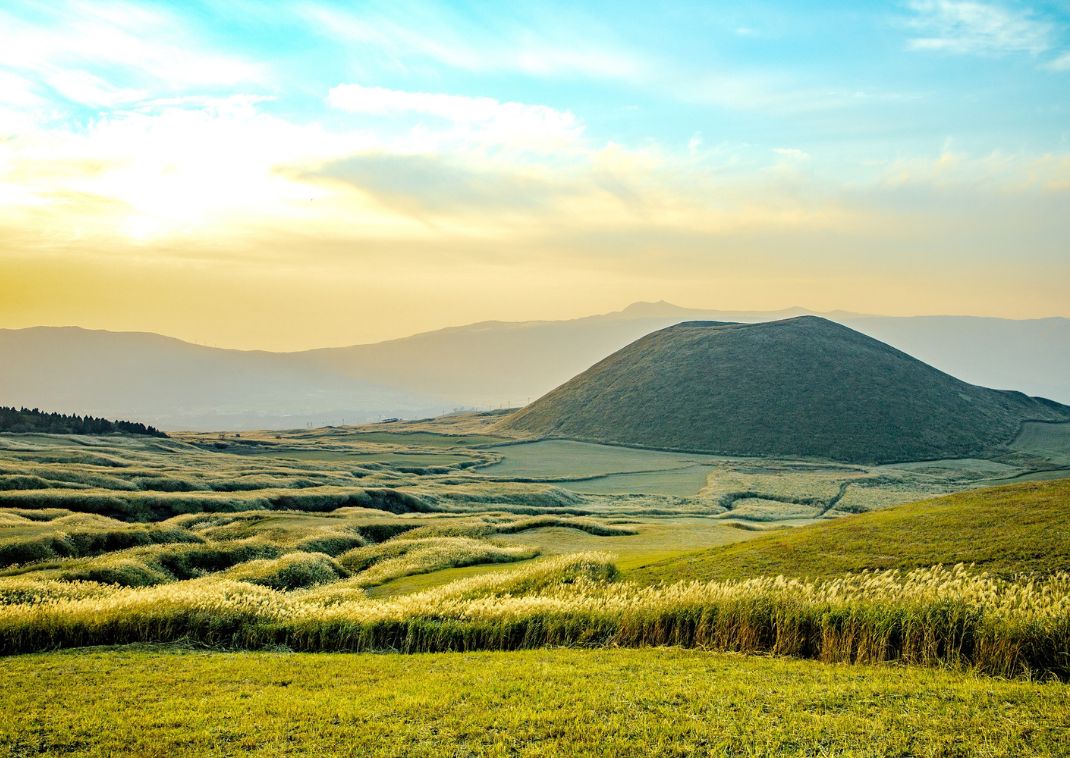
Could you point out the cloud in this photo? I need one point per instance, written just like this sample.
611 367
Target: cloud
998 173
792 154
1061 63
484 119
18 91
103 54
428 184
974 28
565 45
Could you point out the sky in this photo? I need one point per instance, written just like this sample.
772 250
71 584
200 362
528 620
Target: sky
294 175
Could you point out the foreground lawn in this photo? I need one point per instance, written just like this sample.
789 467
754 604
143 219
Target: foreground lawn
166 701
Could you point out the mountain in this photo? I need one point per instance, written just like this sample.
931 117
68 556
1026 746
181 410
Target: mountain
802 386
176 385
500 364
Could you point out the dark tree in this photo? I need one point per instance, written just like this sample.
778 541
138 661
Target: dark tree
26 420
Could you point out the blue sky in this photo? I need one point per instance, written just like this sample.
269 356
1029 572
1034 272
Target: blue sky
475 160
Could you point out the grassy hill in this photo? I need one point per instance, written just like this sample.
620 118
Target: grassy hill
798 387
1015 529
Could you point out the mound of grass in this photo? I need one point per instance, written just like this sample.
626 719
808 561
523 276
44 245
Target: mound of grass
376 564
158 506
799 387
290 572
764 510
127 506
122 571
331 543
591 526
158 564
490 525
524 494
538 576
1014 529
77 535
85 542
191 561
24 482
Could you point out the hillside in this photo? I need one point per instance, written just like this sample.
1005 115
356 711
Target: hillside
1014 529
803 386
497 363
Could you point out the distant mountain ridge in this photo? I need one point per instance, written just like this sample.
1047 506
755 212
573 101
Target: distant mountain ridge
803 386
508 364
178 385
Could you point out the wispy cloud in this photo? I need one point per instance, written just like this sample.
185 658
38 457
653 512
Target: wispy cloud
973 28
104 54
484 119
408 34
1061 63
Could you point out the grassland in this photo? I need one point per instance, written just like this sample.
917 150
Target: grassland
1049 442
942 617
549 702
605 576
1006 531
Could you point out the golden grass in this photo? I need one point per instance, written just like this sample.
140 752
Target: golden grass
937 616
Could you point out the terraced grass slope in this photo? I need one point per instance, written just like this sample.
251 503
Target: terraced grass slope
798 387
1015 529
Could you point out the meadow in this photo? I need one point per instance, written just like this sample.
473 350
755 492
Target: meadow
938 617
1006 531
661 701
442 539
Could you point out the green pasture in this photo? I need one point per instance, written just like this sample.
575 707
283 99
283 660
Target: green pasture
659 701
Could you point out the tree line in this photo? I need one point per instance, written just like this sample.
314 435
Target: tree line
35 420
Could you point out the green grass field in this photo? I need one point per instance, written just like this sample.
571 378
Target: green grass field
1047 441
1015 529
601 574
547 702
590 468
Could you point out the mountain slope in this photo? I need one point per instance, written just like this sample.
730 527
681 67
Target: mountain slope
1018 528
177 385
798 387
494 363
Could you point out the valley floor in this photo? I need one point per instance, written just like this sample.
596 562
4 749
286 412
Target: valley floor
159 701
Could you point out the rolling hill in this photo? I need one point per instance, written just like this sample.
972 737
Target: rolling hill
1008 530
803 386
